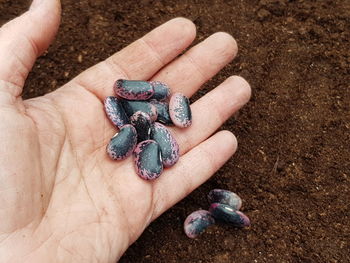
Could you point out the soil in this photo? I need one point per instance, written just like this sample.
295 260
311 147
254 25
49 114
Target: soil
292 167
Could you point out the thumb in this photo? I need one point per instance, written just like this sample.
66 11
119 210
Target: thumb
23 39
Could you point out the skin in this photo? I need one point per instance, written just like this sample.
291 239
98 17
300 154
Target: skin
61 197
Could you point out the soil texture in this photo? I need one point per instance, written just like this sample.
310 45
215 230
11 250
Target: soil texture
292 168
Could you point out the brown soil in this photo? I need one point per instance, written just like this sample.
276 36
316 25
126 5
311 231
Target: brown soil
292 168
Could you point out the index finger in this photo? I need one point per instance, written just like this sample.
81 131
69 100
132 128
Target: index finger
141 59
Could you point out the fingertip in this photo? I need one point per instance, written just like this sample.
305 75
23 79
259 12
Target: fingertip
54 6
186 25
35 4
229 141
38 10
184 30
246 90
241 87
26 37
225 42
50 10
172 37
180 27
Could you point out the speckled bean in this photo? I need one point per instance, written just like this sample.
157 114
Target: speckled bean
161 90
133 89
148 160
163 112
142 123
131 107
167 143
115 111
227 214
225 197
180 110
123 143
197 222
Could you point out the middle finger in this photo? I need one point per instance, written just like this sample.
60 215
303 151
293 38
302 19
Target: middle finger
190 71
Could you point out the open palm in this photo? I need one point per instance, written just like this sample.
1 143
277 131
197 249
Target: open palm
61 198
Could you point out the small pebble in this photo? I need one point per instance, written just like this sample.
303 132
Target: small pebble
142 123
225 197
131 107
163 112
161 90
167 143
115 111
227 214
133 89
123 143
180 110
197 222
148 160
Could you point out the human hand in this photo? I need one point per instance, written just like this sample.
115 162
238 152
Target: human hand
61 198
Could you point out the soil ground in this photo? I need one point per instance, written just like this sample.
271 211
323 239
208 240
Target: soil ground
292 168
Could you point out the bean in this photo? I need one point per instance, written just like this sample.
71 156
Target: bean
115 112
123 143
133 89
180 110
227 214
167 143
225 197
142 123
161 90
163 112
197 222
131 107
148 160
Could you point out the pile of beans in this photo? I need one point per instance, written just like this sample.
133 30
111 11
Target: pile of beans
140 110
224 206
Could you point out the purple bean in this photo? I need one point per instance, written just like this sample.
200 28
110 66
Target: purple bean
142 123
225 197
131 106
133 89
148 160
167 143
161 90
163 112
115 111
227 214
180 110
197 222
123 143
